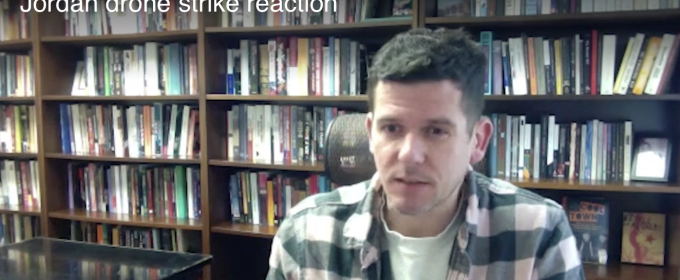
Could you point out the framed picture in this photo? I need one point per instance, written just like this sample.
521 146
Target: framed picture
651 159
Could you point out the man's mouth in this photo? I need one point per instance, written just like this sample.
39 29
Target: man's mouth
410 181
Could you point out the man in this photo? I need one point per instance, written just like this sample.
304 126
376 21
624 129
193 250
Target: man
426 214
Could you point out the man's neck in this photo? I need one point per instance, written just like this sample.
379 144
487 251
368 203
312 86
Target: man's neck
426 224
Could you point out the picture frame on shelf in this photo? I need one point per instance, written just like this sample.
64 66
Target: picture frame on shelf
651 159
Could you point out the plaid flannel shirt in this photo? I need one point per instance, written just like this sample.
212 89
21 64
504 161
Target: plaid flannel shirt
505 233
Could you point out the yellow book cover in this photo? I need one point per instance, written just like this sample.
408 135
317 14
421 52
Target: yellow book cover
646 68
558 67
303 67
643 239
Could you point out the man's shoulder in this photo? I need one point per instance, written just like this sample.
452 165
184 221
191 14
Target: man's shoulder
328 211
328 203
504 201
502 213
495 192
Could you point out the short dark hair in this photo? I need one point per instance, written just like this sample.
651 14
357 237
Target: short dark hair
422 54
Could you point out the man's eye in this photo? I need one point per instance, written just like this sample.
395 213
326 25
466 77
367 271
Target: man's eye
390 128
437 131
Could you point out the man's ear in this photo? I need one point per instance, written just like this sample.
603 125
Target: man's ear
481 135
369 126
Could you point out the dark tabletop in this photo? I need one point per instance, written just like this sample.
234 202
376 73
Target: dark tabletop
57 259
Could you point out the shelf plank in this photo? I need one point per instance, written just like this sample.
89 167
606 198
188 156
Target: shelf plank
8 155
307 167
341 28
584 98
627 272
112 158
22 210
558 19
566 185
489 98
284 98
250 230
126 220
117 98
164 36
15 45
18 99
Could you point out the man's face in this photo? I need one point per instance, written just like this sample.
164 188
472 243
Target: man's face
420 143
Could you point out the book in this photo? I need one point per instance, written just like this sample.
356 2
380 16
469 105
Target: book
643 238
589 220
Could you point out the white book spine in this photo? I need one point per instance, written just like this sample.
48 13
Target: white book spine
546 6
594 150
509 8
627 5
520 146
611 5
267 139
527 149
133 136
171 131
184 133
125 206
586 6
608 61
551 141
151 68
190 193
230 134
508 145
583 154
245 69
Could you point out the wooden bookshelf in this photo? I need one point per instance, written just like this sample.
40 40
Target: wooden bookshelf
112 158
259 231
346 29
673 97
561 20
307 167
626 272
7 155
290 99
117 98
587 98
20 209
15 45
603 186
17 100
132 38
238 245
126 220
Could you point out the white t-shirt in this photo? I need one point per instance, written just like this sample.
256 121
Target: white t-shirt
425 258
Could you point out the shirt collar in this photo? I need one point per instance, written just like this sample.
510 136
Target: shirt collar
364 228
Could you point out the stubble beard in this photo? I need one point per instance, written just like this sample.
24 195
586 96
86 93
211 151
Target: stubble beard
435 202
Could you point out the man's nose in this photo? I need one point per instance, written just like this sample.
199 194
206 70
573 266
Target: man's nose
412 149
